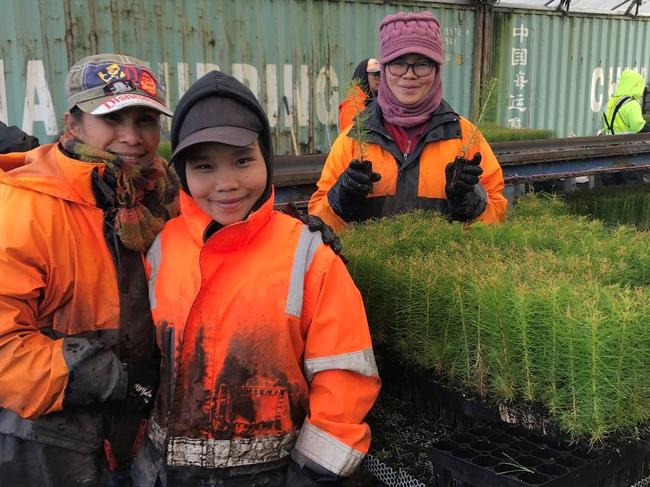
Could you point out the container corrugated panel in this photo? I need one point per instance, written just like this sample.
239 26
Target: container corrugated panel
304 50
557 71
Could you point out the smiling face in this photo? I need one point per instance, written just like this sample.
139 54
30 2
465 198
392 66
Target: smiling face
226 181
409 88
133 133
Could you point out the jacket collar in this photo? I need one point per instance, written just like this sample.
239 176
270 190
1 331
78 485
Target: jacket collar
444 124
49 171
230 237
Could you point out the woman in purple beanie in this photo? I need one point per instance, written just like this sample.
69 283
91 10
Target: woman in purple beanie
417 152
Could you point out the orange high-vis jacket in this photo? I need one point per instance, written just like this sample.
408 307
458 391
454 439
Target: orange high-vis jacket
59 301
416 181
272 354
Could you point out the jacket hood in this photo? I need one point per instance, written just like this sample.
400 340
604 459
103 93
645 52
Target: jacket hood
631 84
47 170
217 83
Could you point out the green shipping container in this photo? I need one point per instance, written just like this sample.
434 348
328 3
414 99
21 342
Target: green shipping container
297 56
557 71
553 70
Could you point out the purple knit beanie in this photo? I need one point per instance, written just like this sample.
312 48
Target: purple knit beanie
406 33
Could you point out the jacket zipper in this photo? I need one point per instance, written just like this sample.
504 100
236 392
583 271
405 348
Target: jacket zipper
171 344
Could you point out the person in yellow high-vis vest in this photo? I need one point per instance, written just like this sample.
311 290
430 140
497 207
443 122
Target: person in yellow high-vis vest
623 114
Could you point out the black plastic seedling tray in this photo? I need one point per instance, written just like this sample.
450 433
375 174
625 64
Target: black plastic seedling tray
504 456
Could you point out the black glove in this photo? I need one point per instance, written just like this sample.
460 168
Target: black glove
12 139
316 224
462 175
351 188
305 477
331 239
143 379
466 199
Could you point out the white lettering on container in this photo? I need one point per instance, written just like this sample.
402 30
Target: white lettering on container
36 88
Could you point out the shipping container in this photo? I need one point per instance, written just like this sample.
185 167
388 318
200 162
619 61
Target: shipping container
557 70
297 56
552 69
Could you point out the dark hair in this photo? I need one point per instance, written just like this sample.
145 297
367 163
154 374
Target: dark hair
76 113
361 75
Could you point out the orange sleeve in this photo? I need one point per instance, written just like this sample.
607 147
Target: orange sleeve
492 182
33 371
342 394
346 114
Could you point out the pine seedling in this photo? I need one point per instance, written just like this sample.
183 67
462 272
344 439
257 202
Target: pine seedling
486 96
488 90
548 308
359 132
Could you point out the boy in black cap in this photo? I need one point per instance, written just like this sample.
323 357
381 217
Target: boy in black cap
268 369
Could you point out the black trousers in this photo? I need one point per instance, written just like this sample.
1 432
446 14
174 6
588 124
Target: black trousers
201 478
25 463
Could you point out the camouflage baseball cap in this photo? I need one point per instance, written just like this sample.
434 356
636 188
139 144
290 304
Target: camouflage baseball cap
106 83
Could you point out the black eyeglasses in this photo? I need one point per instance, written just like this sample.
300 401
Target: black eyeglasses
420 68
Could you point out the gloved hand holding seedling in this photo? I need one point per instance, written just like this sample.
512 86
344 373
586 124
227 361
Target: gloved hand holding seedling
466 199
351 188
357 179
462 175
354 184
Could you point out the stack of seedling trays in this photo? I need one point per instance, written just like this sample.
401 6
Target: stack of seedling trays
543 321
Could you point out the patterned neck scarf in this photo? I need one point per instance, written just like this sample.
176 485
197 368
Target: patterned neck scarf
146 194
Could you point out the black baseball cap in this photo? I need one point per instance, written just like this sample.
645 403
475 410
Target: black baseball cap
218 119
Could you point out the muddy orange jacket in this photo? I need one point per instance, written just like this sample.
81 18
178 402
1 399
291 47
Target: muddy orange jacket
349 107
59 301
416 180
272 355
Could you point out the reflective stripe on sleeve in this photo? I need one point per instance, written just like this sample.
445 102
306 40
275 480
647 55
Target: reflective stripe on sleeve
361 362
305 250
327 451
212 453
154 256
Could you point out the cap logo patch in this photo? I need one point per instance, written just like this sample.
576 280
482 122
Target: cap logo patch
148 83
119 87
111 73
108 73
